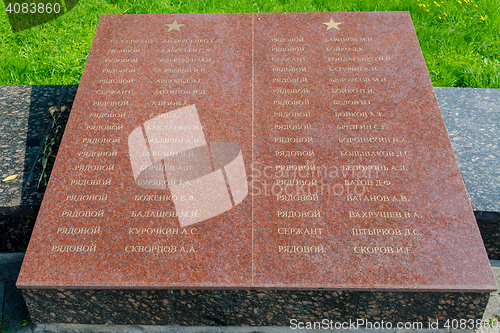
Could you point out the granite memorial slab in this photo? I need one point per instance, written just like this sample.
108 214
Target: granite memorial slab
253 168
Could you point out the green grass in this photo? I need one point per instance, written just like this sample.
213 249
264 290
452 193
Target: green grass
6 327
459 38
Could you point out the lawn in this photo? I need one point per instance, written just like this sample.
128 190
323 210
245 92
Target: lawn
460 39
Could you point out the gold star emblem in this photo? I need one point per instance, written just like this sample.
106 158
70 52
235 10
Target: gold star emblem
174 26
332 24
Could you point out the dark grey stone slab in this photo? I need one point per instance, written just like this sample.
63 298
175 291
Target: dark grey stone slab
490 232
10 264
11 298
25 122
24 125
14 306
472 118
32 191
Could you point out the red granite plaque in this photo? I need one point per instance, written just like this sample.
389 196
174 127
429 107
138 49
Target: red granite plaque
279 151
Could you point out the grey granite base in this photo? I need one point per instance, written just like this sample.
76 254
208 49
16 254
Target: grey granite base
248 307
98 306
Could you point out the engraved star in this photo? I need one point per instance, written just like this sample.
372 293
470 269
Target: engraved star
332 24
174 26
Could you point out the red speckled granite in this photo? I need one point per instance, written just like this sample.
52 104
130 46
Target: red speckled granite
279 151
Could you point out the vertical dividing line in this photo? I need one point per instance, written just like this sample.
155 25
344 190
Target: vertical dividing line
253 138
